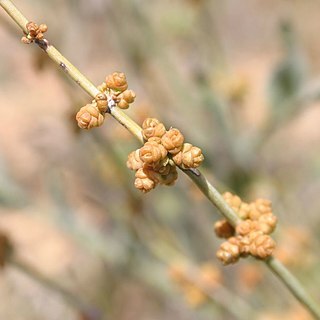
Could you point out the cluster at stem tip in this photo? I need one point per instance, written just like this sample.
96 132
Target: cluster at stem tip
155 162
251 235
35 32
113 92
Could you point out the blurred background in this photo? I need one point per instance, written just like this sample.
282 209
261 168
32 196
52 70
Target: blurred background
238 78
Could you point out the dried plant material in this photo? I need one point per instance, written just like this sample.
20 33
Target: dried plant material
259 208
134 162
247 226
102 102
35 32
232 200
152 127
117 81
223 229
89 117
189 157
152 153
172 140
125 98
262 246
229 251
267 223
143 181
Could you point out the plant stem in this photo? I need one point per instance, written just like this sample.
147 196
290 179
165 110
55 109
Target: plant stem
199 179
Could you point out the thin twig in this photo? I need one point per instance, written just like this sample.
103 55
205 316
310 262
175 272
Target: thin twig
199 179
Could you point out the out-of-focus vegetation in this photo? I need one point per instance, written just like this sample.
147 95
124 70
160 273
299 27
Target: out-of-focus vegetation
237 78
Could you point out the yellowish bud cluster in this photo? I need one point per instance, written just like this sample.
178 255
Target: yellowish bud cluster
194 282
35 32
251 236
155 162
113 92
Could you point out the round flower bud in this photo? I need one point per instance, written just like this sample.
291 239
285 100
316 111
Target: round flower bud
89 117
128 95
152 127
152 153
102 102
189 156
229 251
245 227
267 223
233 200
43 28
262 246
134 162
123 104
143 181
173 140
117 81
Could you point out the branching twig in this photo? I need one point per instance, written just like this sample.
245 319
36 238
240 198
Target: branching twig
199 179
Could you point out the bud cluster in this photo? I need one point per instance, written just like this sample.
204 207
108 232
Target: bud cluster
113 92
155 162
35 32
251 236
193 282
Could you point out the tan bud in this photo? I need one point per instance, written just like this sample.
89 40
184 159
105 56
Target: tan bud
89 117
267 223
143 182
117 81
152 127
232 200
247 226
39 36
32 28
262 246
102 102
123 104
43 28
172 140
128 95
229 251
243 211
134 162
155 139
189 156
26 40
223 229
152 153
